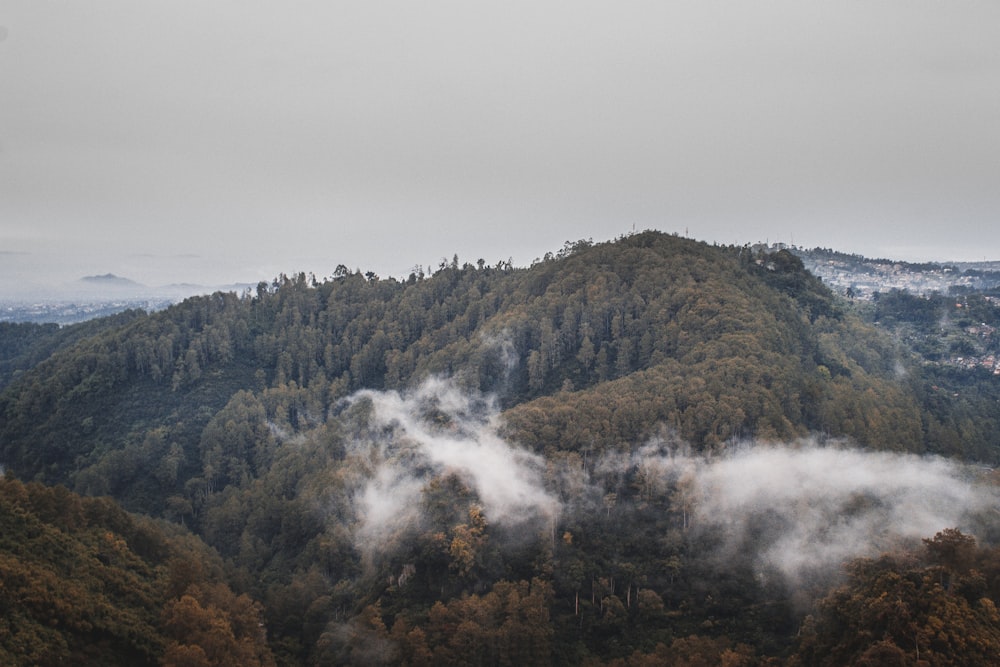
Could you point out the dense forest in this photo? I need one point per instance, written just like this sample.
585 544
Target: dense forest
647 451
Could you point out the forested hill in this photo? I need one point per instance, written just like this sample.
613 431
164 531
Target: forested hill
289 428
595 347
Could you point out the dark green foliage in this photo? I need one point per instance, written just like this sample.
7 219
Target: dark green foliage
24 345
899 306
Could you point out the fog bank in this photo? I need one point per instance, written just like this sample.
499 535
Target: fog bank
438 429
800 509
804 509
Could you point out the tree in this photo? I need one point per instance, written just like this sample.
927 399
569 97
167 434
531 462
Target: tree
209 625
896 610
952 550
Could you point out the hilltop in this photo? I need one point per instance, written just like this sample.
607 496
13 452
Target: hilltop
110 280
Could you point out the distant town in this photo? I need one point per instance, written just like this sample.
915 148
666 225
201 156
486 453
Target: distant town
957 337
91 297
859 277
72 312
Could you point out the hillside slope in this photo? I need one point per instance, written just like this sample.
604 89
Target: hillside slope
84 583
371 455
722 343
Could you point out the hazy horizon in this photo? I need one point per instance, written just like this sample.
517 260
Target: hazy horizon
178 277
228 143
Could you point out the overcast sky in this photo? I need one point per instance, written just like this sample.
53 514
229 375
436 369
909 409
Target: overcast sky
223 141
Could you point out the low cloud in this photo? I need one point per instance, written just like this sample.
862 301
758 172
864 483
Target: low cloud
805 509
439 429
799 510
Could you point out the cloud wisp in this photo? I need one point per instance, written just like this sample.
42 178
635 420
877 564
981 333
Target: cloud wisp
439 429
798 510
805 509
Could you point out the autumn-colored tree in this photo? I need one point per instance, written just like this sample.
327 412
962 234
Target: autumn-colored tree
899 611
210 625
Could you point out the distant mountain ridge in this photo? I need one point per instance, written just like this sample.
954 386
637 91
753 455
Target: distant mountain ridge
110 279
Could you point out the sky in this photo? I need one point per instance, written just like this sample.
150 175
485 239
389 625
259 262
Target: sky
224 141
